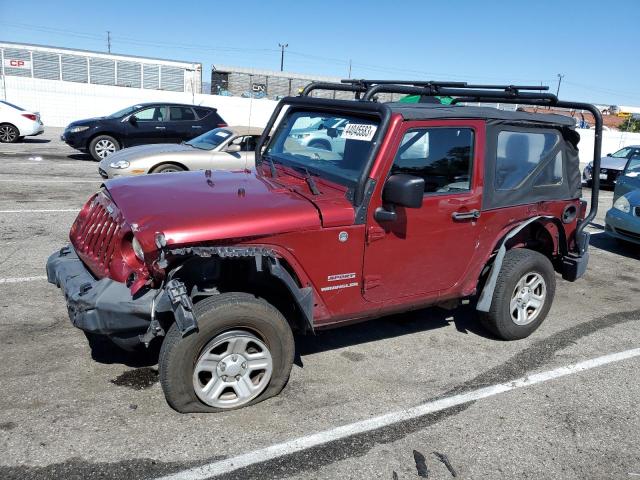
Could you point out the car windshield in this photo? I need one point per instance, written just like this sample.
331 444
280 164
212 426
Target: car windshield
332 146
622 153
124 111
210 139
12 105
633 167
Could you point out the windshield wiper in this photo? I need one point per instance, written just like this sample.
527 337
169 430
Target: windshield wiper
272 167
309 179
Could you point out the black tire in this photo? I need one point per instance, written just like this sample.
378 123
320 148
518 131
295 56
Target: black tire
9 133
215 315
589 183
517 263
100 144
168 168
321 144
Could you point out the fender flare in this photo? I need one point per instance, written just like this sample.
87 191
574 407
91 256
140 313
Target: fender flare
486 296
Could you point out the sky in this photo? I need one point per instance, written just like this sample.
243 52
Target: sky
593 44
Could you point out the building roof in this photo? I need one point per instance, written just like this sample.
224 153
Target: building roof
422 111
31 46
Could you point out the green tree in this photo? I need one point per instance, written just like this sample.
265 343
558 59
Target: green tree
631 125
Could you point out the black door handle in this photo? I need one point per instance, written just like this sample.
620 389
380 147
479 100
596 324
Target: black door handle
473 214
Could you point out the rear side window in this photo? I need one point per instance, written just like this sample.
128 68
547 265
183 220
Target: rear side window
519 153
181 114
442 156
202 112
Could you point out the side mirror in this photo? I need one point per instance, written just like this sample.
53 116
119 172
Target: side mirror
401 190
332 132
608 154
234 148
133 120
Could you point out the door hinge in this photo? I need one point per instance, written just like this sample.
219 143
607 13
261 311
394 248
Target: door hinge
375 233
372 281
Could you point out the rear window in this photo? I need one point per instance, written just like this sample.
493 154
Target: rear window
518 155
202 112
181 114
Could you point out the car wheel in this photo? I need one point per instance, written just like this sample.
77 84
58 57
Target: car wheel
168 168
241 354
102 146
321 144
523 295
589 183
8 133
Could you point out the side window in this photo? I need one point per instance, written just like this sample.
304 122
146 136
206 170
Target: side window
202 112
249 143
181 114
519 153
442 156
151 114
633 167
551 174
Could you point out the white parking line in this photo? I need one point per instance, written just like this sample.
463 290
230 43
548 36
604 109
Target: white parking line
52 210
22 279
317 439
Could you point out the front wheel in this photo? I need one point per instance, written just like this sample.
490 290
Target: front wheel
102 146
241 354
168 168
8 133
523 295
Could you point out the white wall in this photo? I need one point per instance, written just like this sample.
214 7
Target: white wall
612 140
60 103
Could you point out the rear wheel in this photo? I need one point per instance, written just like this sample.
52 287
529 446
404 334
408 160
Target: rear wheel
102 146
523 295
8 133
241 354
168 168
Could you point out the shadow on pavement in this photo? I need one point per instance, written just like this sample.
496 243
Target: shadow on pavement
35 140
81 156
625 249
105 351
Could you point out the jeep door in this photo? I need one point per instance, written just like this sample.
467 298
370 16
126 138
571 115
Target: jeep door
428 250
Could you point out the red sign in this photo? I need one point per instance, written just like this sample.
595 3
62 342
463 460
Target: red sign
17 63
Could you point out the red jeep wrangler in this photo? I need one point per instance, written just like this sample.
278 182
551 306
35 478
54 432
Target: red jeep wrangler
401 206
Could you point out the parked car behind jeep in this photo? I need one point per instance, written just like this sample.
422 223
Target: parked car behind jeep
226 148
623 219
140 124
425 205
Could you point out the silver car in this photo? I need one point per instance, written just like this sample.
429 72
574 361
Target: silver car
325 134
226 148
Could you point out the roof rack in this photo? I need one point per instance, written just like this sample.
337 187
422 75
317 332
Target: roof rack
465 92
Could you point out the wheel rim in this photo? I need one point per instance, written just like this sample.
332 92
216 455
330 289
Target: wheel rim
528 298
233 369
169 170
7 133
104 148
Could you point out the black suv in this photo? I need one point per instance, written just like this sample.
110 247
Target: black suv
141 124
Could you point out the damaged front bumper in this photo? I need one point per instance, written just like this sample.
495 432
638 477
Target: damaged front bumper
102 306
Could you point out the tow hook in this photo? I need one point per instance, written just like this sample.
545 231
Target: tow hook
182 306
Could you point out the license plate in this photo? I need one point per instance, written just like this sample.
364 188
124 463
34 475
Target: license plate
603 176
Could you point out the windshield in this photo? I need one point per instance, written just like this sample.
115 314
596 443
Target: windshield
12 105
622 153
211 139
333 146
124 111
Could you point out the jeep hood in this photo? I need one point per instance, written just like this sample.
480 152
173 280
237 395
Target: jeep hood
205 206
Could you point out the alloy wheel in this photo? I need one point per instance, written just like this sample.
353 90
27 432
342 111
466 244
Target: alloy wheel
528 298
104 148
8 134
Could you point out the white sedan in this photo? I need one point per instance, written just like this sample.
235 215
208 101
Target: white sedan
16 123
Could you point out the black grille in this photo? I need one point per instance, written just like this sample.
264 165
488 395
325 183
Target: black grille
629 234
637 211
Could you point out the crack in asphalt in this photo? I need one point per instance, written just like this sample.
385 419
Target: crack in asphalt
536 355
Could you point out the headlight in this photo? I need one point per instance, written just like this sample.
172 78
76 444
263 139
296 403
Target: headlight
622 204
119 164
78 129
137 249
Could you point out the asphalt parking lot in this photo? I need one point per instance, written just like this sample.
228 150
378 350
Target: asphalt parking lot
77 411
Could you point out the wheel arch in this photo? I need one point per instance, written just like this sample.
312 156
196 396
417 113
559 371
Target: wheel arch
12 125
162 163
260 271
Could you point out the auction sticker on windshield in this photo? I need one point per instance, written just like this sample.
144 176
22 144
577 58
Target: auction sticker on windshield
359 131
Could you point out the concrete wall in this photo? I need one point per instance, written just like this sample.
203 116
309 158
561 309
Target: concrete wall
612 140
60 103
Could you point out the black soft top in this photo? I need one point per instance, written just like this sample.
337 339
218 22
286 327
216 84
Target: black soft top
428 111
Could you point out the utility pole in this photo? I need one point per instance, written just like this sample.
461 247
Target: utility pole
349 69
108 41
282 47
560 77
